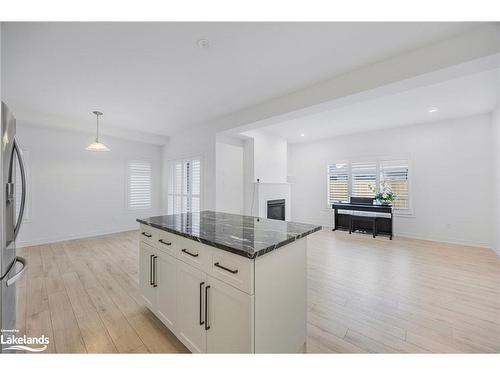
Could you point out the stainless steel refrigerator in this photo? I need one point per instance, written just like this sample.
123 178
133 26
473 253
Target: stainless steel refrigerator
11 266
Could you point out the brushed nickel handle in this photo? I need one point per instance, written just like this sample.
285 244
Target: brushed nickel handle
19 154
18 275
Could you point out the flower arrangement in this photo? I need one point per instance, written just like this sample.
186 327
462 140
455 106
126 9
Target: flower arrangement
384 194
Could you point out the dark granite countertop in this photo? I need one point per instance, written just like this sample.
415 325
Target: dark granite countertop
243 235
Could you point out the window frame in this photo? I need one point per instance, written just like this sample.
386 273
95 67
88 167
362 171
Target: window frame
407 212
127 185
170 164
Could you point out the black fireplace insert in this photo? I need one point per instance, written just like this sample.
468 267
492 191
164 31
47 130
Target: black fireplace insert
276 209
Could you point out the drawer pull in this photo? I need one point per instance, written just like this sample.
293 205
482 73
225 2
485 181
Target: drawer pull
207 326
165 242
188 253
145 234
225 269
154 272
201 303
151 269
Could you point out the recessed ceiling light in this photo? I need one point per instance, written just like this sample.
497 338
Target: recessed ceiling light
203 43
432 110
302 134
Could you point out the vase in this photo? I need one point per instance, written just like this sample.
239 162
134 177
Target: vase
382 202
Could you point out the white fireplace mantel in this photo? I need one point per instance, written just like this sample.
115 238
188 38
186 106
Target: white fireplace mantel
266 191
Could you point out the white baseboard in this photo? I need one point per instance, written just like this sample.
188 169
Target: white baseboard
454 241
47 240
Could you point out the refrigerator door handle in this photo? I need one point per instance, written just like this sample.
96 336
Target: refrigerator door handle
18 275
19 154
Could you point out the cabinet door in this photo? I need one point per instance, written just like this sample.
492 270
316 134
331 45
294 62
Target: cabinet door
166 293
148 293
190 307
230 318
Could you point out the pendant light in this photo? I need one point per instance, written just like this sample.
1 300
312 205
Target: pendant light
97 146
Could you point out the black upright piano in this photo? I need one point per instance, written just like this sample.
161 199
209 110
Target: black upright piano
364 207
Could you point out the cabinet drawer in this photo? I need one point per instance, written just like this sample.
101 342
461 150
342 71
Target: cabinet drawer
148 234
233 269
168 242
194 253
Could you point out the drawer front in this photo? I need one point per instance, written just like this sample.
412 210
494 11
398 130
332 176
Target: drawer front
194 253
168 242
148 234
233 269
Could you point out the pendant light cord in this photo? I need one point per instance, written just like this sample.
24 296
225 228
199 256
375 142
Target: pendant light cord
97 134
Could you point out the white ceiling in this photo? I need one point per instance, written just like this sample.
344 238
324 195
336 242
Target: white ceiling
464 96
152 77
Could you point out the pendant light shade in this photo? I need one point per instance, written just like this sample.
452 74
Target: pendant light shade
97 146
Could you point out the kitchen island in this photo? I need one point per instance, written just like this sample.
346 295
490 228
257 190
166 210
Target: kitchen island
227 283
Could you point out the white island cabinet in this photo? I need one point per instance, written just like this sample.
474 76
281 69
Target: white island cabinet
216 301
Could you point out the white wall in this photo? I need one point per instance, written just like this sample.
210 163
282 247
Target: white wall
248 178
229 176
454 155
495 123
265 158
270 157
76 193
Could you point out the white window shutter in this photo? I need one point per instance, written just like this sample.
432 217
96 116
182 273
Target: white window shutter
338 183
394 173
364 176
184 186
346 180
139 185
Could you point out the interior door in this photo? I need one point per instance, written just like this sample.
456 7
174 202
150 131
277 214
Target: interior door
230 318
146 282
166 303
190 307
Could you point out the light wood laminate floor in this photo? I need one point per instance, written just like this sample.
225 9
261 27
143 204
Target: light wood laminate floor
365 295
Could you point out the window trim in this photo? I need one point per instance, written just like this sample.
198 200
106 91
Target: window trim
183 160
405 212
127 187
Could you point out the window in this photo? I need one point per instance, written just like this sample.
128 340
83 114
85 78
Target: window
364 176
354 179
394 173
338 182
139 185
184 186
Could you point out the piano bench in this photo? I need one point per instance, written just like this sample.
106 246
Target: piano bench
365 218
